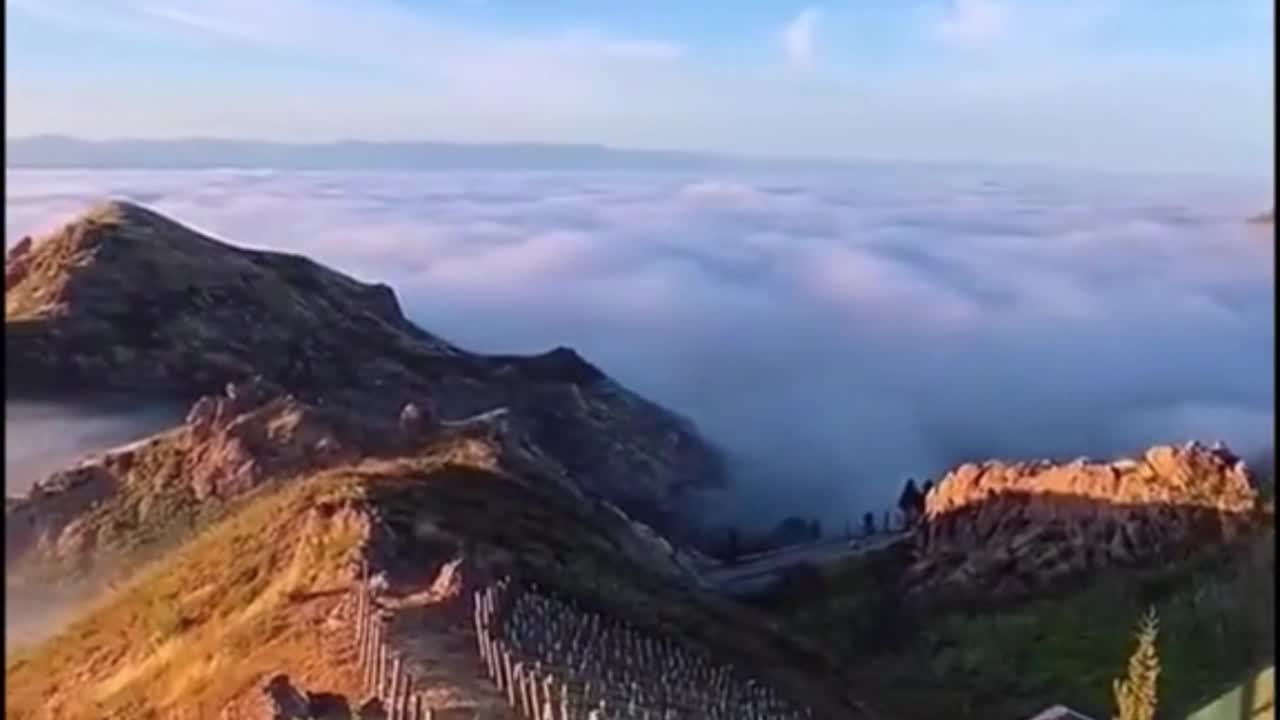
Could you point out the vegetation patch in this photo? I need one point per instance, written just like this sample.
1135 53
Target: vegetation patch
1217 624
246 597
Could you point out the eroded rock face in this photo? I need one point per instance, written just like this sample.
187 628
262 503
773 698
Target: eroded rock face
1002 530
124 298
16 264
54 504
229 444
250 433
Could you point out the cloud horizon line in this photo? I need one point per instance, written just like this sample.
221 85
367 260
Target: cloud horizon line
882 325
30 152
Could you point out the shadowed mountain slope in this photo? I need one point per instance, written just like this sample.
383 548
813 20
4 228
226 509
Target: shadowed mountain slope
123 298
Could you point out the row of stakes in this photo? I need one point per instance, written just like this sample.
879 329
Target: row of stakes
383 672
536 691
530 691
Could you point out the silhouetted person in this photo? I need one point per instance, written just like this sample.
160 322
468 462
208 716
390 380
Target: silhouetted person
733 545
868 524
910 502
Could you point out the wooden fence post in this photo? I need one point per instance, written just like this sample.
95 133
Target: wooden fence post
380 669
526 691
393 692
366 677
359 603
535 710
406 695
564 700
506 674
376 655
371 662
512 680
362 625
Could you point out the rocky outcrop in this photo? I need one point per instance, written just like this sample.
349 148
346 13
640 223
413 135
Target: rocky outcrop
1002 530
228 445
250 435
55 504
123 298
282 701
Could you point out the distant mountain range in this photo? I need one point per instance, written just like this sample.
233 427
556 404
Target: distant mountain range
52 151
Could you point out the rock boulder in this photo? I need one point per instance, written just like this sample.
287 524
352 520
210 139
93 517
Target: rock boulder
1004 529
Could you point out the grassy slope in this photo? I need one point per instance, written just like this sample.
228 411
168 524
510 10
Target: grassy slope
255 593
540 538
1217 623
245 598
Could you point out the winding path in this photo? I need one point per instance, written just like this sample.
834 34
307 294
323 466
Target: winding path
759 572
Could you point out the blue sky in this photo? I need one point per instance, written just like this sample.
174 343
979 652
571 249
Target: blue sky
1148 85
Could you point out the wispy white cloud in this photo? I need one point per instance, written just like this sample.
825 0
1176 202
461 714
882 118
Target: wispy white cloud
200 21
379 33
846 330
471 82
970 23
798 38
379 69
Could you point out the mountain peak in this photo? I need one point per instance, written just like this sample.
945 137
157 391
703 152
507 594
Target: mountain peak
120 219
118 210
126 299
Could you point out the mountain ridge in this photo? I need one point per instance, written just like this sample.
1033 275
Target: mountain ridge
55 151
269 577
124 298
232 539
331 443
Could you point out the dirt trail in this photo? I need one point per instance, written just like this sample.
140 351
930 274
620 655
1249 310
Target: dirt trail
435 635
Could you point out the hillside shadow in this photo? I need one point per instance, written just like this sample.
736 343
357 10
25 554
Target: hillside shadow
571 551
1022 601
1017 543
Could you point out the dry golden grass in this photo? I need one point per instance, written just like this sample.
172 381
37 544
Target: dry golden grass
251 596
261 591
545 538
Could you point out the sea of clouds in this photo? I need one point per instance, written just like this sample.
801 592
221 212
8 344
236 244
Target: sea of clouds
836 332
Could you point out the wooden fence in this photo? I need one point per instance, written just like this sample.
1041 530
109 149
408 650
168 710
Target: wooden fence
555 661
552 660
383 672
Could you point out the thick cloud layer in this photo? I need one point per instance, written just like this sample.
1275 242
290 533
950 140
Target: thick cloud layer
836 332
44 437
